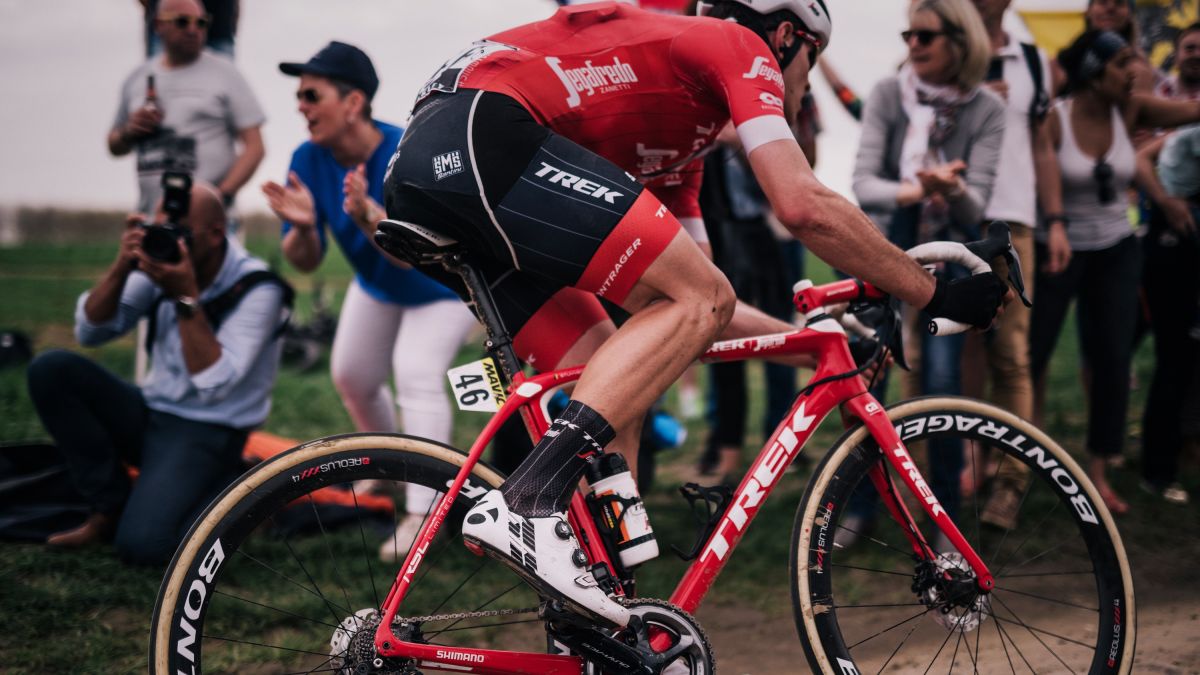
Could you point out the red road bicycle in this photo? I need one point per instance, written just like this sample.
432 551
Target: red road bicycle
271 579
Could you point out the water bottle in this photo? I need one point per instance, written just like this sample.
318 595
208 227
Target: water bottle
621 509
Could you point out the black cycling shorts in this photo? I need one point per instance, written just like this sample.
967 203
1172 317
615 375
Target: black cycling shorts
545 218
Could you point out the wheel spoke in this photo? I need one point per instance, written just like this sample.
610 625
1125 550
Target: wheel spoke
485 604
952 631
1029 532
332 560
362 535
891 627
1034 632
311 591
895 651
217 591
1004 646
872 569
1015 647
886 604
262 644
1044 598
1050 574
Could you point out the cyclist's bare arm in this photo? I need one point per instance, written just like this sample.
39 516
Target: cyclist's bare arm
833 228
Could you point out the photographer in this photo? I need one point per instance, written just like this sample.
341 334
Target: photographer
214 358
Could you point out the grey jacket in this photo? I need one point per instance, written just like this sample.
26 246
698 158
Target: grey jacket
976 139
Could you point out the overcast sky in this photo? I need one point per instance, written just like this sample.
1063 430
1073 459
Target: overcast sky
62 62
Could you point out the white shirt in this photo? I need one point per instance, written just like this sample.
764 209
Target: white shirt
235 390
1014 195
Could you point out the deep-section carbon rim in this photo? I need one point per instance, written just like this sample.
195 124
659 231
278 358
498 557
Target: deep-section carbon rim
1064 597
279 561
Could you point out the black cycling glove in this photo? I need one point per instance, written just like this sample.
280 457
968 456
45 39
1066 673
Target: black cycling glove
973 300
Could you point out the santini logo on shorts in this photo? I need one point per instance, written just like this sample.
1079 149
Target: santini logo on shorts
588 78
559 177
447 165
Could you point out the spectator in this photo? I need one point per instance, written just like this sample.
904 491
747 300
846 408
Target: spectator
391 312
926 165
1172 288
222 25
202 111
1091 129
1185 85
210 383
1027 170
1115 16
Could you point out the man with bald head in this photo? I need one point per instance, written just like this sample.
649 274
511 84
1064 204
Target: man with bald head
203 118
214 358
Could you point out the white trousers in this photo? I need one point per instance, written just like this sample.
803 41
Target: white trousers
420 342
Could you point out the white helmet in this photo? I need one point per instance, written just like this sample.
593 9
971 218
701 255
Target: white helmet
816 25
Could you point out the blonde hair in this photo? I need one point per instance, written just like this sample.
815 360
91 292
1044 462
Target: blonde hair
968 38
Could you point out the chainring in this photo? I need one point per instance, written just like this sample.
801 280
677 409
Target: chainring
689 652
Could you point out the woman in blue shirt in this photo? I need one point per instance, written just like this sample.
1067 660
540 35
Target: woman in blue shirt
335 185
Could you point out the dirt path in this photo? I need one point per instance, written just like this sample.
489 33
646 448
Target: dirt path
749 641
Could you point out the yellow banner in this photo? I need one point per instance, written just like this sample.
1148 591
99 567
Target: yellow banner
1053 30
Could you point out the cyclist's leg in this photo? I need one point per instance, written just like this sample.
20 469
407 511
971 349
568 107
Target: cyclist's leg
535 232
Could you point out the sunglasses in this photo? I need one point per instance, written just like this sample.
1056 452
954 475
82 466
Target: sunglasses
1102 173
183 21
924 37
309 95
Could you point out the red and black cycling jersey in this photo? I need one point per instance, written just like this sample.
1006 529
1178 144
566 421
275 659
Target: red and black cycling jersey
646 91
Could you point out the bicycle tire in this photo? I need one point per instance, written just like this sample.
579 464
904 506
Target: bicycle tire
208 573
1048 581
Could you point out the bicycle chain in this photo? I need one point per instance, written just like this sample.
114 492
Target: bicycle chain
458 616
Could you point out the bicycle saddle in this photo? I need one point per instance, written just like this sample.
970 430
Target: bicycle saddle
414 244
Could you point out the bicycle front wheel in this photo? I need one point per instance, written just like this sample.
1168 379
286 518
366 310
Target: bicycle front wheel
283 572
865 603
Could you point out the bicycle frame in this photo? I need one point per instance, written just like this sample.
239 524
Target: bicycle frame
822 337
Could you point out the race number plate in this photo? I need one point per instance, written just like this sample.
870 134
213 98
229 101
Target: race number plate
477 386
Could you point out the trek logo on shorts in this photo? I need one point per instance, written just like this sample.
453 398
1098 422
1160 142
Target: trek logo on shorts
588 78
557 176
447 165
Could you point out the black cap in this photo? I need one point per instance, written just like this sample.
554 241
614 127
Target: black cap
339 61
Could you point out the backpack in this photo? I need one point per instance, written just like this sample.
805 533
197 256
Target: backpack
216 309
1040 105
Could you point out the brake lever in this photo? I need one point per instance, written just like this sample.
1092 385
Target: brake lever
998 250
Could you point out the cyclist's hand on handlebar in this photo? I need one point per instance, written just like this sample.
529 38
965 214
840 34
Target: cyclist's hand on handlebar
976 300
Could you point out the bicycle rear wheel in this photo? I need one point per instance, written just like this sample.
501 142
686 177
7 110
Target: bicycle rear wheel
1063 599
283 569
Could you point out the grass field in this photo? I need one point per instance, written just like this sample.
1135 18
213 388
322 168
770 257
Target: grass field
83 612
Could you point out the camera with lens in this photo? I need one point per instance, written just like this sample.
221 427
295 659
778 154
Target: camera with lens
160 242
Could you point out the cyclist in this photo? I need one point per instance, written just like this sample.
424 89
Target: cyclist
566 154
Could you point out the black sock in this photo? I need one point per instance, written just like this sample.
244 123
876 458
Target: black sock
544 482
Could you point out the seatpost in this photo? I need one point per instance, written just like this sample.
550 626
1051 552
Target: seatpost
499 342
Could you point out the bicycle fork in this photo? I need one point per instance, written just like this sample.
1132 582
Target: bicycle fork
896 453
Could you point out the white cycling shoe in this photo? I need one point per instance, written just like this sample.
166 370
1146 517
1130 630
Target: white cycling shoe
544 552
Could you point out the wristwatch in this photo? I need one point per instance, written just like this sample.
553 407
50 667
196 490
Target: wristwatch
186 307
